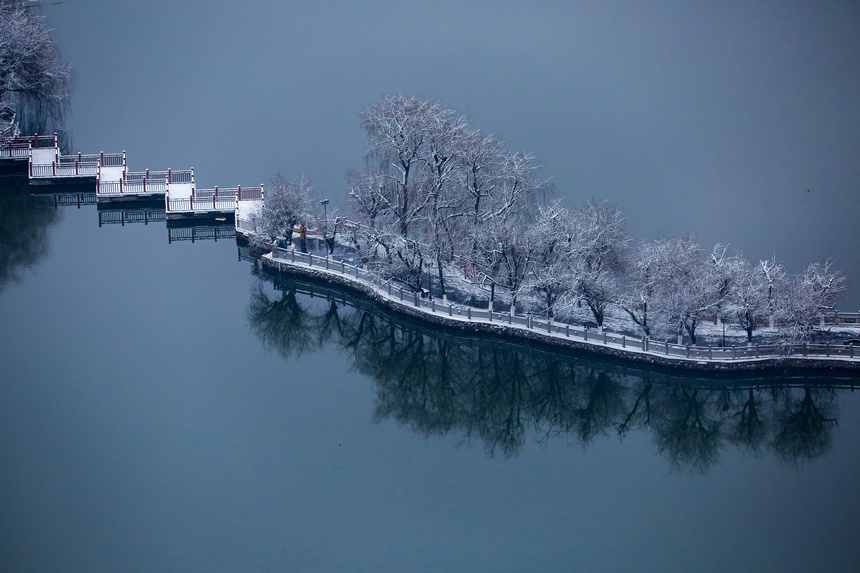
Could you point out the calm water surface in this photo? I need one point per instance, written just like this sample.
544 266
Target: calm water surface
163 407
173 409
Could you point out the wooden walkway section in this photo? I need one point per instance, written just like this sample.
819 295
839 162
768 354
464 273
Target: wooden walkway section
39 158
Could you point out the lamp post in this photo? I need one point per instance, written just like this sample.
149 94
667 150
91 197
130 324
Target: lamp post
324 203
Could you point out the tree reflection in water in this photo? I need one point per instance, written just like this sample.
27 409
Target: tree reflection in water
23 231
498 392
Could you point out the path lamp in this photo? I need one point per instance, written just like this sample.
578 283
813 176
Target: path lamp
324 203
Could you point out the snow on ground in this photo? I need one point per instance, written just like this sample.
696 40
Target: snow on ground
462 292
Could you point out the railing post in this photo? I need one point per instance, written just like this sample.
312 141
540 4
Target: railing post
401 294
734 356
667 348
567 330
756 351
469 312
415 298
710 353
239 193
585 334
432 305
449 310
688 351
623 341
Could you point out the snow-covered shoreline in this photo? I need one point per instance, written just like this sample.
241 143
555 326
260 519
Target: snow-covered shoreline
820 358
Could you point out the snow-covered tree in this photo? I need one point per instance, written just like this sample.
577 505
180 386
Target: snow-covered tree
549 277
330 226
812 295
34 79
368 195
776 282
746 302
685 288
596 257
644 272
722 268
445 136
437 183
287 204
503 253
399 128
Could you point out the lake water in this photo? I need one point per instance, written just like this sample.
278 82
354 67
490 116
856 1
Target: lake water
737 123
166 407
175 409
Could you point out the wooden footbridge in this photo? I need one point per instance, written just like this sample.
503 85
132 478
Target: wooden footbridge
39 157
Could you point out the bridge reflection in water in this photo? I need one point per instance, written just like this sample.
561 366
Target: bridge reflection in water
134 213
505 394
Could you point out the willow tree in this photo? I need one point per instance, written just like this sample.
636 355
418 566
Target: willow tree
35 82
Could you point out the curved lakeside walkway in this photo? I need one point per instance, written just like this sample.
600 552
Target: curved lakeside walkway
817 357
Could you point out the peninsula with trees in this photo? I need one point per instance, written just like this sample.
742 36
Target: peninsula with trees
450 214
446 211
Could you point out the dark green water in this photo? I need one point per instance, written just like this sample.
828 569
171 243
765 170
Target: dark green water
166 407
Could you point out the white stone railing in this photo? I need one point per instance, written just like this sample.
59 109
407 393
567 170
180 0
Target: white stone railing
554 330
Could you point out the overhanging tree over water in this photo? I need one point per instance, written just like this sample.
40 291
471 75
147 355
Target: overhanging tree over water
35 82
